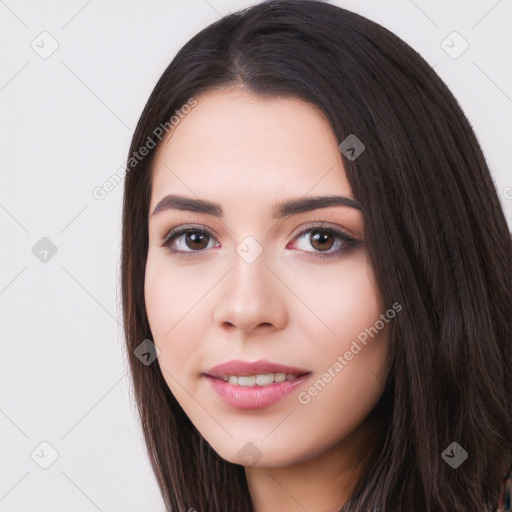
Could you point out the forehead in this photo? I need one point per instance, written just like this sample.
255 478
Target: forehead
233 141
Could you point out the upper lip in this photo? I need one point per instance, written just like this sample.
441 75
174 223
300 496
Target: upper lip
239 367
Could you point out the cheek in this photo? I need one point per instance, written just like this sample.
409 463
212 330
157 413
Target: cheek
348 338
173 306
160 296
350 353
172 292
343 299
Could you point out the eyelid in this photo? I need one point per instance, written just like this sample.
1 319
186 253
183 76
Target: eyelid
340 227
320 223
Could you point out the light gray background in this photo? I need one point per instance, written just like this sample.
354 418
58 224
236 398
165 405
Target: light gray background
66 123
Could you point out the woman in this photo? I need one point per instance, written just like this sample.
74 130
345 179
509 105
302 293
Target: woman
314 248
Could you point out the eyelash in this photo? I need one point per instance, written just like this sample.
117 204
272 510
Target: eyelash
348 242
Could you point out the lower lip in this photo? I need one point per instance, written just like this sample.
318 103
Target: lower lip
253 397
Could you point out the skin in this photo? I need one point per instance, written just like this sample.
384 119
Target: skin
289 305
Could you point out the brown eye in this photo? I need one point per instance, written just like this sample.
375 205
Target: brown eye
195 240
321 240
326 241
188 239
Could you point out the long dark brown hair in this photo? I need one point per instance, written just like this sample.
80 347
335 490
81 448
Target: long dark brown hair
435 233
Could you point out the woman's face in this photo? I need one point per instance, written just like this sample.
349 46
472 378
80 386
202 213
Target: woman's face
260 284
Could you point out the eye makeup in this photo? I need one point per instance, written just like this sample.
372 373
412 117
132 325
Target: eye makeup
342 239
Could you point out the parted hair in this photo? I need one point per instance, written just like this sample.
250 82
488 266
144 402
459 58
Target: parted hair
435 233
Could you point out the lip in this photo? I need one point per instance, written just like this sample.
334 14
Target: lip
253 397
239 367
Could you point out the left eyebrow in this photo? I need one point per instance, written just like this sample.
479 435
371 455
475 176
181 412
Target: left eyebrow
304 204
279 210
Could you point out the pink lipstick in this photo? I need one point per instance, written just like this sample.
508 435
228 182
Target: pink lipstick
254 385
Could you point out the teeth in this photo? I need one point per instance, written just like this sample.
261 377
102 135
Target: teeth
263 379
279 377
246 380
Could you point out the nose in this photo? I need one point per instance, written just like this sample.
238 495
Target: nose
252 298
